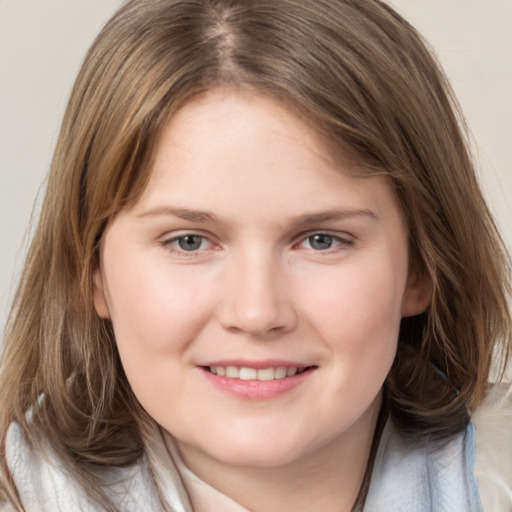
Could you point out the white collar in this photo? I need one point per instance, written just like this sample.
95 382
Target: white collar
180 489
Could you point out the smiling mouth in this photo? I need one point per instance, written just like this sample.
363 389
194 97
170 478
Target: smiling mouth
261 374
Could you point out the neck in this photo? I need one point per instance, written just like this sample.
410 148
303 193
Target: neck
327 479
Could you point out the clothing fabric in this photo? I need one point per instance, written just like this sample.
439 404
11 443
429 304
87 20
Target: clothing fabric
434 476
438 477
493 464
429 477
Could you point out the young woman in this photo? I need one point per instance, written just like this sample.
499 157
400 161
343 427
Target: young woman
264 276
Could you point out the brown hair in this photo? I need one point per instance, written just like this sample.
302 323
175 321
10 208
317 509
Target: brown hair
358 73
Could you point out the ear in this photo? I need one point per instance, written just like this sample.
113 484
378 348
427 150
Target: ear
100 301
418 293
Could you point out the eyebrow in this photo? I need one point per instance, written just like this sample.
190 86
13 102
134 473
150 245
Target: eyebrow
182 213
332 215
203 216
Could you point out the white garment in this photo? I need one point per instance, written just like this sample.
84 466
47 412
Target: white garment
428 476
493 465
44 486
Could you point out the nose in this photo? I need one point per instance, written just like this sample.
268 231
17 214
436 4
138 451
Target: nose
256 298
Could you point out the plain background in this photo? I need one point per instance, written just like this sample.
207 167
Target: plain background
42 44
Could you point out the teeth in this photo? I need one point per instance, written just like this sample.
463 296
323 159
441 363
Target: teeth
245 373
280 373
266 374
248 373
232 372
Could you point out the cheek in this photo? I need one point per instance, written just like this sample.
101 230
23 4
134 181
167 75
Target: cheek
358 315
156 315
359 298
155 310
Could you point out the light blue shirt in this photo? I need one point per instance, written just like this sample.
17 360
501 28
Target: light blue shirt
433 476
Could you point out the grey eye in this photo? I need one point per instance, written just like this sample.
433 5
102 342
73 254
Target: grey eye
190 242
320 242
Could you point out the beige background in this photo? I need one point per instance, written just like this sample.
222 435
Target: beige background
42 43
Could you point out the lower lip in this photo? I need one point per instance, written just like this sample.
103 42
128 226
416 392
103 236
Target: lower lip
257 389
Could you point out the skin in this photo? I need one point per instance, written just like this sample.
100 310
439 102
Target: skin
258 288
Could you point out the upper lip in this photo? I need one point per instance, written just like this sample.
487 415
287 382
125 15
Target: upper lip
258 365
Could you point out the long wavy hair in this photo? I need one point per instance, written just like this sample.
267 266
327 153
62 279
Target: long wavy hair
361 76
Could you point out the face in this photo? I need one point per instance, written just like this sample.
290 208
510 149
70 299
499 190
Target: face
256 288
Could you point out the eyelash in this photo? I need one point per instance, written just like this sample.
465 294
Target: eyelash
341 243
169 244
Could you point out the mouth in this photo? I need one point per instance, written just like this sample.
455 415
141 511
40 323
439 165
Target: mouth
257 374
261 380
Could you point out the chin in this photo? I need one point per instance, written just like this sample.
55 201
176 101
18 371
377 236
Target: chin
257 451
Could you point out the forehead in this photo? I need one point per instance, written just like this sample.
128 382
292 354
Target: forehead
231 119
232 150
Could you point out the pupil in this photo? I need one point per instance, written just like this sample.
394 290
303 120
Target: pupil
189 242
320 242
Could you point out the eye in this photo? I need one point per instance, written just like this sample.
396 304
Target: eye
324 242
189 242
320 242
